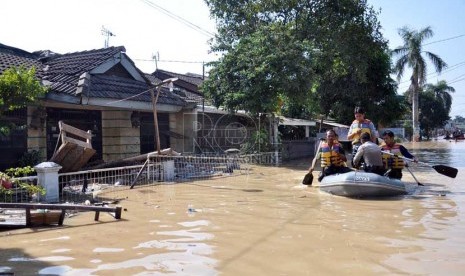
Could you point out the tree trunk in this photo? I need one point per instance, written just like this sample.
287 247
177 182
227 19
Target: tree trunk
415 113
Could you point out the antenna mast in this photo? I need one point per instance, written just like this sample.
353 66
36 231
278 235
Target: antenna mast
156 57
107 34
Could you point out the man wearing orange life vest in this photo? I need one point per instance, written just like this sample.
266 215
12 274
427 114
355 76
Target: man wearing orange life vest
359 126
393 162
332 156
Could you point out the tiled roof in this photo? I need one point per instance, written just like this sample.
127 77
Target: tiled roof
102 86
10 56
187 86
63 71
153 79
189 77
189 82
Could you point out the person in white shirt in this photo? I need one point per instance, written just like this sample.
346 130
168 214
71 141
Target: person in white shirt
371 155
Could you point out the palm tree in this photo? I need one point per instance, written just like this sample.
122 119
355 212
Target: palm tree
410 55
442 91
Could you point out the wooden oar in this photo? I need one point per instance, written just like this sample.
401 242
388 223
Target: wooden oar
442 169
308 178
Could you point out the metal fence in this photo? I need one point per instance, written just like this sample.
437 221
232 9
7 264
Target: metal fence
18 193
112 184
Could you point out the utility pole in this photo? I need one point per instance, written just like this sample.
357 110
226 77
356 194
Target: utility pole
107 34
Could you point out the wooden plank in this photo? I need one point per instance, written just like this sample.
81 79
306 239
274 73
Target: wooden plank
84 157
62 152
72 157
28 217
118 212
62 217
77 142
75 131
63 207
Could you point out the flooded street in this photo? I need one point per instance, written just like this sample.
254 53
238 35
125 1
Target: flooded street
263 223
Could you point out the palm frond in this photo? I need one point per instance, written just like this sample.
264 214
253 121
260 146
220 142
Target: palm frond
438 63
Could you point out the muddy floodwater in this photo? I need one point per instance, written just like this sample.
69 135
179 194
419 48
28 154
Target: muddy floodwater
263 223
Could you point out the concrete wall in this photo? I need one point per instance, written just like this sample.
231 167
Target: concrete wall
183 123
36 136
119 139
296 149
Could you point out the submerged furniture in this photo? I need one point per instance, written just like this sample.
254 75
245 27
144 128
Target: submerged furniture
75 150
37 214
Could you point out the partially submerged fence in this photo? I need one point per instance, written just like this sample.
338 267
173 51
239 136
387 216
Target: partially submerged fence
111 184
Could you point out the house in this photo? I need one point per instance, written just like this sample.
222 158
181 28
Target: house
218 130
99 90
215 129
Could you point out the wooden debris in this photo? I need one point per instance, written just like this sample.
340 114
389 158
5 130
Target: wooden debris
73 153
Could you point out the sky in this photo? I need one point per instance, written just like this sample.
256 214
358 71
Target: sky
447 20
141 26
177 32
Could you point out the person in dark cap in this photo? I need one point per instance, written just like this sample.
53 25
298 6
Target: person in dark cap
371 155
392 155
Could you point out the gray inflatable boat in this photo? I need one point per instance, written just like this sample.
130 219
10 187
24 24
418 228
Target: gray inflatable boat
362 184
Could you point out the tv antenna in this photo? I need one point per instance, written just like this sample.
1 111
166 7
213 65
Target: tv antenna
107 34
156 57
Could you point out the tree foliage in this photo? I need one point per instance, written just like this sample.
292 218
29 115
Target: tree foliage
18 88
300 58
442 92
435 103
433 112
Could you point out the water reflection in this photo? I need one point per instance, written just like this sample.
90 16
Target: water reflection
444 152
184 253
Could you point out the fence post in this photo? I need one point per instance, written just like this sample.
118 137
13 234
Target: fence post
47 176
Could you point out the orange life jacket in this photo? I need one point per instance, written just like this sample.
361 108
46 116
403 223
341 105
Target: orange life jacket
392 162
330 155
365 126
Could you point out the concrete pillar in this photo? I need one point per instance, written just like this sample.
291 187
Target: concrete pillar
47 175
307 131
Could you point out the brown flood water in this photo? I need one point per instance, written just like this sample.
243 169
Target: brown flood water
265 223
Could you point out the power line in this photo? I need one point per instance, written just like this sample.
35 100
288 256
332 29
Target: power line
445 39
453 67
179 18
450 68
172 61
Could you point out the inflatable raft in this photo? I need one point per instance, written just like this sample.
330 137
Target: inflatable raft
362 184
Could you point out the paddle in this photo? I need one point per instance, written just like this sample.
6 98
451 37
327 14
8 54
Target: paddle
308 178
408 169
442 169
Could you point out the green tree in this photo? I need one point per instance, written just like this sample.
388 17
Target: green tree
459 119
410 55
18 88
442 92
317 56
260 70
434 113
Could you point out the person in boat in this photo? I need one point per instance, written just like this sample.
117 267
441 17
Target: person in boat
332 156
393 162
371 155
359 126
